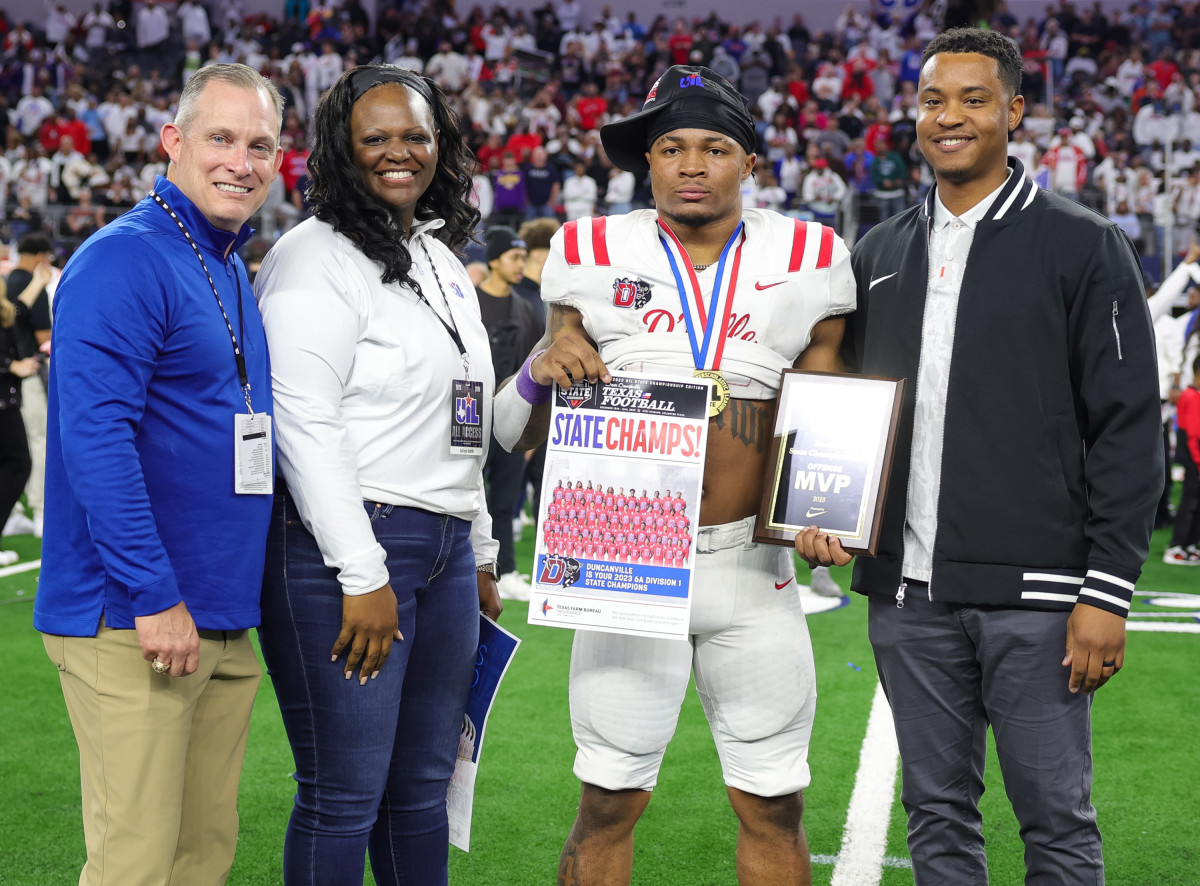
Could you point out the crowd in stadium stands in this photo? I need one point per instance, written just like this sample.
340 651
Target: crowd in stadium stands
1111 120
1111 113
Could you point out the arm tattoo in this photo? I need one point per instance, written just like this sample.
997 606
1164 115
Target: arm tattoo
558 322
567 874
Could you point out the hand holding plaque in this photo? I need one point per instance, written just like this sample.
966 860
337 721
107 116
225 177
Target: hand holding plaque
831 457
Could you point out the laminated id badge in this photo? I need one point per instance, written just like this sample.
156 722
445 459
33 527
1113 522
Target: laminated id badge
466 417
253 453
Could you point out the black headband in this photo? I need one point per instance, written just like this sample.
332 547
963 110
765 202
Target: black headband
368 77
702 113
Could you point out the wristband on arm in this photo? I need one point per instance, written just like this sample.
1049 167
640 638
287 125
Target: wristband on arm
532 392
514 404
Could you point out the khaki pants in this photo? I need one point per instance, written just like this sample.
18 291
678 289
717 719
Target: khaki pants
159 757
33 411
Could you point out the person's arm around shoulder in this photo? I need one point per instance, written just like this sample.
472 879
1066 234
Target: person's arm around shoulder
110 325
1111 350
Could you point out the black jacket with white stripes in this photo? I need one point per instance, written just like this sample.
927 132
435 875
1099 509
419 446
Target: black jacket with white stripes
1052 463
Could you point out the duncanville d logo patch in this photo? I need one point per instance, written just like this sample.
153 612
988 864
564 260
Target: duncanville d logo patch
559 571
630 293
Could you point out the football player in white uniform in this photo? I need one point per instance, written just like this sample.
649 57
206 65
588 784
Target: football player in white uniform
775 290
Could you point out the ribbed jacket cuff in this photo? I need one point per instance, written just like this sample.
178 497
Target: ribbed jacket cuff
1107 591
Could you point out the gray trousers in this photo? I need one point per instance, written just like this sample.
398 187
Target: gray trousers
948 672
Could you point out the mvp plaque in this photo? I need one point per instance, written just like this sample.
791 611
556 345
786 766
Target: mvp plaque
831 457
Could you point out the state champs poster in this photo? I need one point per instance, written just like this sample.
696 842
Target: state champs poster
620 506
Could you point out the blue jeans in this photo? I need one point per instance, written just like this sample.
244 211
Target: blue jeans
372 762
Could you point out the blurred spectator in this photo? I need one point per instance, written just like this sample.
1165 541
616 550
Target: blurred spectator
514 328
153 25
59 24
889 173
780 138
580 193
1126 219
1067 164
1185 202
822 192
509 199
536 235
769 194
83 219
542 185
32 110
588 109
28 331
97 22
193 22
448 68
618 197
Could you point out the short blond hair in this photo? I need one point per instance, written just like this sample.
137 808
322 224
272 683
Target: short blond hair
233 74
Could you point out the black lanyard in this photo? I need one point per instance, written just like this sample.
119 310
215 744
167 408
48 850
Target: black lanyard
450 327
238 356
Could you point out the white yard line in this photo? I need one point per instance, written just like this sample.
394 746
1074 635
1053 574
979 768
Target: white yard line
889 861
18 568
864 841
1166 627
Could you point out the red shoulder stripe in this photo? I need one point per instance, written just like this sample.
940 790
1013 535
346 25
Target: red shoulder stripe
825 255
599 246
571 242
798 237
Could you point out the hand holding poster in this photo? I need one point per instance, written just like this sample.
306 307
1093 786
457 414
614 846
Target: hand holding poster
620 504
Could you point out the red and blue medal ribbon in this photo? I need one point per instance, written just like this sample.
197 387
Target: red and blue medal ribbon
698 316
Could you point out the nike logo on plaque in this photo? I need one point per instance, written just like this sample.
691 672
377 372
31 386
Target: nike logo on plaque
814 512
878 280
760 287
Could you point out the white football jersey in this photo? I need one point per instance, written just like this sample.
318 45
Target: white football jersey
615 271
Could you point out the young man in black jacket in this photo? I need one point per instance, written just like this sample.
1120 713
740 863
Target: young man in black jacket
513 328
1026 476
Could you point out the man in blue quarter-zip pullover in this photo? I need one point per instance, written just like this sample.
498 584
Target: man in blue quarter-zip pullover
1027 473
158 495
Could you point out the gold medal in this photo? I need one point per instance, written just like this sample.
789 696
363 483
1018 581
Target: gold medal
720 390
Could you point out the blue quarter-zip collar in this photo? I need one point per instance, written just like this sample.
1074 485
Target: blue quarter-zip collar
208 237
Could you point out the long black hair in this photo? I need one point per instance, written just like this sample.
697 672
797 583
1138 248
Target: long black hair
337 192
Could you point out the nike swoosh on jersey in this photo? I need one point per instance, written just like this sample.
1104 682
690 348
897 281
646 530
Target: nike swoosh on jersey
814 512
760 287
881 279
780 587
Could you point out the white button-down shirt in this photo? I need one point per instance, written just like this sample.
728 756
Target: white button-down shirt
949 244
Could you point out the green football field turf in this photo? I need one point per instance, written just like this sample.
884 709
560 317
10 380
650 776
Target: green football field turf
1146 731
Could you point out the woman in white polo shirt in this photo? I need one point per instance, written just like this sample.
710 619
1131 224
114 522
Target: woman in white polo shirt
380 556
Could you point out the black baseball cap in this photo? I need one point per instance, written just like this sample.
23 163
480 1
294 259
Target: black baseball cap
500 240
684 97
